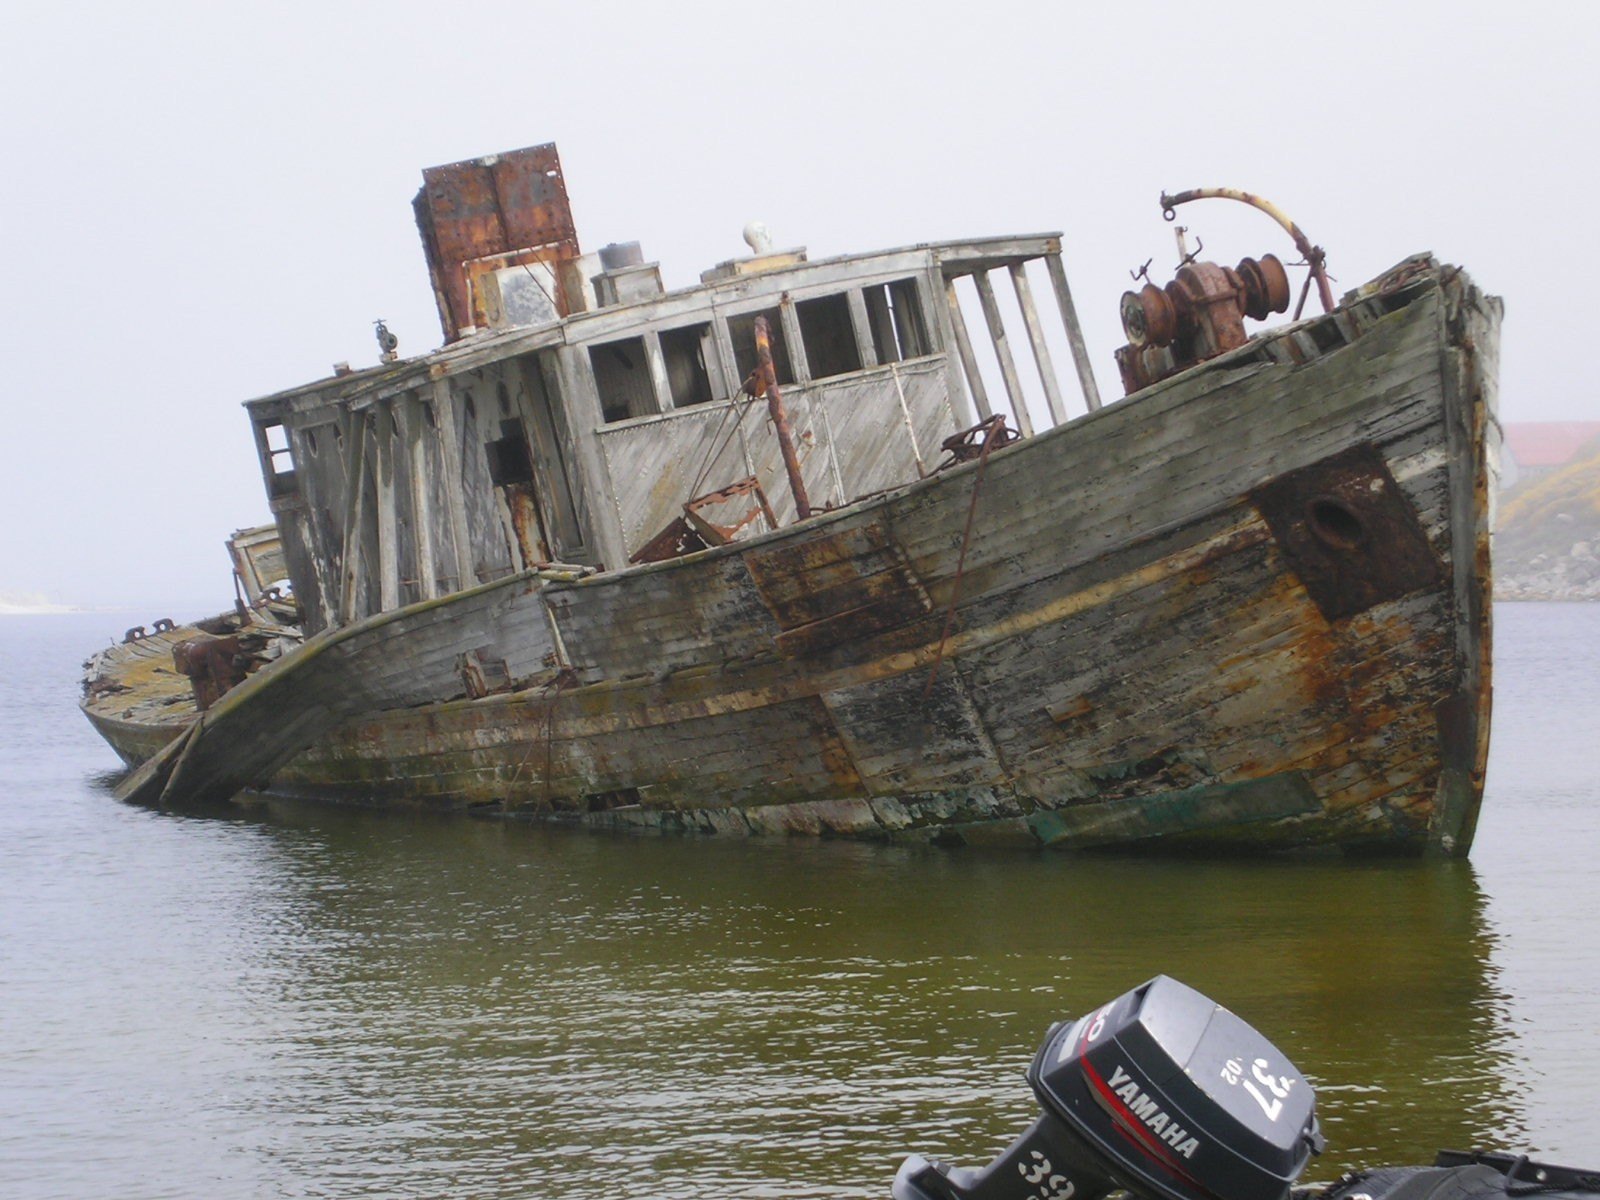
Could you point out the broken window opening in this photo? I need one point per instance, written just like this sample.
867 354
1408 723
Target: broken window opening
278 458
899 328
742 333
622 378
828 335
683 352
509 461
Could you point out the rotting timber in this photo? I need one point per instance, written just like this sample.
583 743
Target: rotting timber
562 568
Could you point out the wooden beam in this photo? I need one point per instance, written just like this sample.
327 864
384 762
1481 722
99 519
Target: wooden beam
1069 318
1002 350
969 361
656 363
414 422
383 433
1041 352
723 345
355 480
444 417
794 341
862 326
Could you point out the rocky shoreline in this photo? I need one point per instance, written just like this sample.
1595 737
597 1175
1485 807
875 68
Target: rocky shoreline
1574 576
1547 540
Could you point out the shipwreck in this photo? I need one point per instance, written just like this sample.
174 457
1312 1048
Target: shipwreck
787 551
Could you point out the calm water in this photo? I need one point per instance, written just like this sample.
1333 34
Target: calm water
296 1002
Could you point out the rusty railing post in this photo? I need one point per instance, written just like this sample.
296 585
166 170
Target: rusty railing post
780 422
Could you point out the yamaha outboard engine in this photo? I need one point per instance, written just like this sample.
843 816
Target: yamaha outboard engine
1161 1092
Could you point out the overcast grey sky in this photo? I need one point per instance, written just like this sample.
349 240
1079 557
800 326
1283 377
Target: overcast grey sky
208 202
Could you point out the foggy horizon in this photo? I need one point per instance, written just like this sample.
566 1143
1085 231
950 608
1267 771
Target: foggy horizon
212 206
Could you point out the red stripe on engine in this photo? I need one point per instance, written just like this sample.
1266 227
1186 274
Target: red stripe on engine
1128 1124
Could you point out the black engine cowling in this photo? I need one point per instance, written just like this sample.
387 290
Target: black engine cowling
1168 1095
1162 1092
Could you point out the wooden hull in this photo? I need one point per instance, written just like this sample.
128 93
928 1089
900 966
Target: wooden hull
1247 607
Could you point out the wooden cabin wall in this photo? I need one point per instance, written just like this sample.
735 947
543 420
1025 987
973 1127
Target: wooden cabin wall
399 580
876 443
435 500
451 486
294 528
524 494
480 411
654 465
358 584
324 522
418 512
842 379
525 456
309 518
563 498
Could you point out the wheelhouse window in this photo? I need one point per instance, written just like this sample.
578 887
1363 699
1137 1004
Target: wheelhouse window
684 353
622 378
742 332
829 337
277 456
899 329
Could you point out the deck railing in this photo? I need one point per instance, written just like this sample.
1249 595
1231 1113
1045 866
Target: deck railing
978 263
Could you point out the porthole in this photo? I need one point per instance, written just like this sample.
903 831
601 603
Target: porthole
1334 523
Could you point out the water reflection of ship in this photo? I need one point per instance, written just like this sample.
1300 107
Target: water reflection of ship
1378 982
770 995
1397 1001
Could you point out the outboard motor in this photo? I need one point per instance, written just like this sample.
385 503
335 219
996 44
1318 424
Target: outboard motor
1161 1092
1169 1096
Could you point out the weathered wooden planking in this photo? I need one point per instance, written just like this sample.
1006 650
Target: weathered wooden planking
662 618
543 761
656 464
680 736
1178 449
394 659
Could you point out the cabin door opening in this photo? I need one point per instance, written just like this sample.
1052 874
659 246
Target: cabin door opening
553 456
511 472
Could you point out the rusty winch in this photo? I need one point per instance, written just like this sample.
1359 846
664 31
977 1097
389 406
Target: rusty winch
217 664
1200 314
1197 316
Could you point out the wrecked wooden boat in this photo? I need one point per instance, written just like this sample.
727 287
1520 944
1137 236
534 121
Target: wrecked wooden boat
788 551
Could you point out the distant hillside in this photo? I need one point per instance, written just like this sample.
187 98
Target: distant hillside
1547 538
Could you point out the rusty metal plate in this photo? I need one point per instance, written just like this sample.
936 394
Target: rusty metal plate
491 206
1348 532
